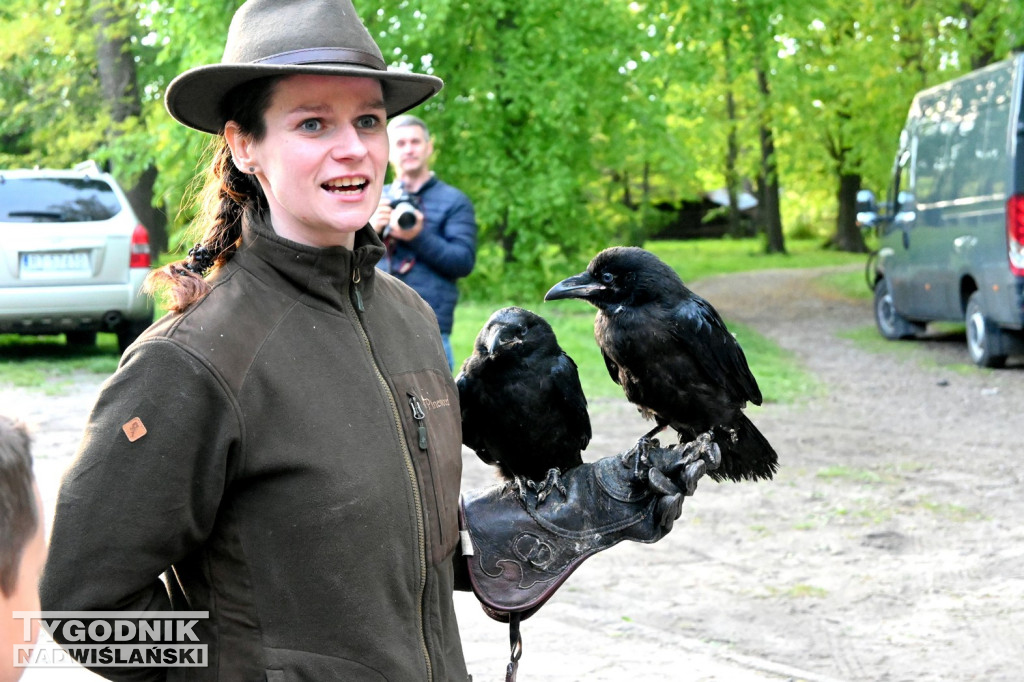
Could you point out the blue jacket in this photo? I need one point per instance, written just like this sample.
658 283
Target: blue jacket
443 252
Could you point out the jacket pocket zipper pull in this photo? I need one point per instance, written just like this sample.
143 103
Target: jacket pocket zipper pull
418 415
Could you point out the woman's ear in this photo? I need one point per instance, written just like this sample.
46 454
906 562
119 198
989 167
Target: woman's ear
241 148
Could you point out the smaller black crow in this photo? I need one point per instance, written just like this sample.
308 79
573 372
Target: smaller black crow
673 356
523 408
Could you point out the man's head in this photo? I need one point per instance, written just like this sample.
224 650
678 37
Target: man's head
22 541
411 147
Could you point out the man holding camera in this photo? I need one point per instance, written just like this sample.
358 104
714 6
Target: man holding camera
428 226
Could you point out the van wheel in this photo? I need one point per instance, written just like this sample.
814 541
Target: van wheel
890 323
985 341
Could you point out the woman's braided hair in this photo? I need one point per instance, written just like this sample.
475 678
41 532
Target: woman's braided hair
229 197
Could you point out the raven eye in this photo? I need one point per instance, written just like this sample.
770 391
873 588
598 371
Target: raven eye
607 277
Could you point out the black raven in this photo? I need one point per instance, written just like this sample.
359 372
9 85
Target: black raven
673 356
523 408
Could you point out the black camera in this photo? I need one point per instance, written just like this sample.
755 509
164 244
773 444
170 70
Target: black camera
403 206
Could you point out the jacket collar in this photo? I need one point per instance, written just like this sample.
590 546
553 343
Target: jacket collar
322 272
431 181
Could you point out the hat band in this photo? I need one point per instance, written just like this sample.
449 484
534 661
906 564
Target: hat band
319 55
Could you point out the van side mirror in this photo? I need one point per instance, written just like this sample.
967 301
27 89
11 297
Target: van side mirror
866 202
905 203
867 209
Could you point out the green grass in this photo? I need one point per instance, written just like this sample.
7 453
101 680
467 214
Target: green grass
952 512
46 362
798 591
847 474
847 284
700 258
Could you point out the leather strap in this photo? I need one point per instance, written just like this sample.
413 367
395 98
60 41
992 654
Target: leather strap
516 645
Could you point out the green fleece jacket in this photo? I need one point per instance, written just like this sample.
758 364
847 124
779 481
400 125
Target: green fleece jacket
287 453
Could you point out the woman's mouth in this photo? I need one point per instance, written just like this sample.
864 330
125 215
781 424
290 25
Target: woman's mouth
345 185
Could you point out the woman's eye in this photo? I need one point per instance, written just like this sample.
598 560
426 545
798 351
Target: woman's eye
311 125
368 121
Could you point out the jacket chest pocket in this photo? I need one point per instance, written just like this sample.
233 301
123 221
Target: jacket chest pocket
429 409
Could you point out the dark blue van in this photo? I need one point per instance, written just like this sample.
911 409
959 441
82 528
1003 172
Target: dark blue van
952 239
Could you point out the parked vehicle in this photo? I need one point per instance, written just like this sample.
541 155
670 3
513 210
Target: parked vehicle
952 231
73 256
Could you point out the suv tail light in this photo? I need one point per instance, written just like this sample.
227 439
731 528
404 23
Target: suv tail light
140 257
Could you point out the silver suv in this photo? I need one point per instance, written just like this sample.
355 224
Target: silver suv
73 256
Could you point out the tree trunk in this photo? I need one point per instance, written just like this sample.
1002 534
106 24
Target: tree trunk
848 236
732 151
119 86
643 226
732 180
769 210
140 196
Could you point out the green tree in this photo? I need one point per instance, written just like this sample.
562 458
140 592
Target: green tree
571 125
539 96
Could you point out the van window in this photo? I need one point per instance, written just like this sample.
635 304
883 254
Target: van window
962 137
931 155
978 151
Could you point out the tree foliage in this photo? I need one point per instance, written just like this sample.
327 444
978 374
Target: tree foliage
571 125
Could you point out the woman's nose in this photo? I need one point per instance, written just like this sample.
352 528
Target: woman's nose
347 143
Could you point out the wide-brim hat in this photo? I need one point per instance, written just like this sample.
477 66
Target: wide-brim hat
287 37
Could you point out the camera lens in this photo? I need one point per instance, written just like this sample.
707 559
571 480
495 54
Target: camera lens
404 215
406 220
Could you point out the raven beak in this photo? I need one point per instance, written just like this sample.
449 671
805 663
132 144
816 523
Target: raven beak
498 338
577 286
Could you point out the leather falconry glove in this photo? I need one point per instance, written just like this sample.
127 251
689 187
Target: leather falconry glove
520 549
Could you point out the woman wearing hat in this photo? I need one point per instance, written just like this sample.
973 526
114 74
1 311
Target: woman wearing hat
260 446
283 450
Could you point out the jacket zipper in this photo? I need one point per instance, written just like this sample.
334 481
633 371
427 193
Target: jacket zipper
418 414
357 294
357 303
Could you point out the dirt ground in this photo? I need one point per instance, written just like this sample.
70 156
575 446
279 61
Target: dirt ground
889 547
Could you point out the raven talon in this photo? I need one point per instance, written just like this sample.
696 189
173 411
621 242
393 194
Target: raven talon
628 455
521 484
713 456
703 448
552 482
694 472
641 452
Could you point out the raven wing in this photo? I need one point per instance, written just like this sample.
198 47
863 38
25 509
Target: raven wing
472 435
566 378
698 327
612 367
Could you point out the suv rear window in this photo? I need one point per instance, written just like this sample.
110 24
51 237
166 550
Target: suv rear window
56 200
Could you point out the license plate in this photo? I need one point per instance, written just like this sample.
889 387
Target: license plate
48 263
